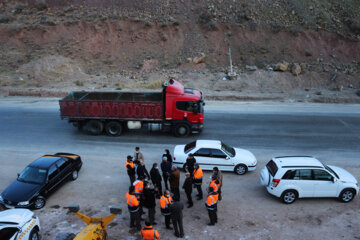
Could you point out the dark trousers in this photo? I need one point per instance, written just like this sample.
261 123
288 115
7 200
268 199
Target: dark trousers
166 180
152 215
135 220
198 187
178 225
132 179
167 220
189 198
213 216
158 185
176 193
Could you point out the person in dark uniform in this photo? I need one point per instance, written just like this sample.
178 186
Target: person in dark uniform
149 202
139 170
156 179
166 171
190 163
168 156
187 186
177 218
175 182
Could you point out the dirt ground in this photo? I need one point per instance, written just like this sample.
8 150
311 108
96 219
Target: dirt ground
247 211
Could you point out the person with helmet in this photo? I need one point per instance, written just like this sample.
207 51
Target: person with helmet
211 205
165 202
130 167
149 233
134 208
197 180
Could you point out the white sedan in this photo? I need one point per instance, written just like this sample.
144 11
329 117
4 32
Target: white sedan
213 153
18 224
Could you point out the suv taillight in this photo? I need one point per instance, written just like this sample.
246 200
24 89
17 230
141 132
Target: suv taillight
275 182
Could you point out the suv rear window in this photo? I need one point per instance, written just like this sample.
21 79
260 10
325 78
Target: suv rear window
271 166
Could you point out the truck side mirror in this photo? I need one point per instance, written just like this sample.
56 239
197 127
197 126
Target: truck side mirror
73 208
115 210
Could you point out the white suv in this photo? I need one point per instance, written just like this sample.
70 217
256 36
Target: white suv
293 177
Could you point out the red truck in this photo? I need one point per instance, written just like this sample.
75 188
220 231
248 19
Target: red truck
175 109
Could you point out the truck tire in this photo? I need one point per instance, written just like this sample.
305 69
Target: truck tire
114 128
94 127
182 130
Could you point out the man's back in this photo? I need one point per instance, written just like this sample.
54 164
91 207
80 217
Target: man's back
176 210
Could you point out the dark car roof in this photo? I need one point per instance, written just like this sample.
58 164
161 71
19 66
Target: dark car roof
45 161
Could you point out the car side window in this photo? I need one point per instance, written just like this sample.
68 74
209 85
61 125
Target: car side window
62 164
303 174
202 152
289 175
216 153
322 175
52 172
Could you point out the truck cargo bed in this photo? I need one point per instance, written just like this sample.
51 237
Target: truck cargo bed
112 105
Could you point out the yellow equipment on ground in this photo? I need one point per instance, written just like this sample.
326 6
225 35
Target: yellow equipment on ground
96 227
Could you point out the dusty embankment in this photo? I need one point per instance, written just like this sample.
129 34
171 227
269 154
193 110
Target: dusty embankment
282 51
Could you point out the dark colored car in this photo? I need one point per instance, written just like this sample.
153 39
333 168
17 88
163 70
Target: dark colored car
39 179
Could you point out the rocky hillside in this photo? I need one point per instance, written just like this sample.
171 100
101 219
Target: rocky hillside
280 49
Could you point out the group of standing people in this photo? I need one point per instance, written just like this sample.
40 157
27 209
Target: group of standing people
143 194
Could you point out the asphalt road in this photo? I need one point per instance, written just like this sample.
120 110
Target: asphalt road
31 127
42 128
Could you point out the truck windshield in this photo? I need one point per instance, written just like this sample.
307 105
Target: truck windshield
194 107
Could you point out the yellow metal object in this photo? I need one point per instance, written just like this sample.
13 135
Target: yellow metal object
96 227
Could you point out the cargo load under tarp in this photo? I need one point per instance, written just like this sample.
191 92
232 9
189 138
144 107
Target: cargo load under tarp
119 105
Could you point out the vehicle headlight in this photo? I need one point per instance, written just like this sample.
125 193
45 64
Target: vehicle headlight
23 203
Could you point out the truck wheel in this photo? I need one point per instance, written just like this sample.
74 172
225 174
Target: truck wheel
94 127
182 130
114 128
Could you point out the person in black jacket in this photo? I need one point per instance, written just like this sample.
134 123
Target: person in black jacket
139 170
156 179
187 186
177 218
166 171
145 170
190 163
149 201
168 155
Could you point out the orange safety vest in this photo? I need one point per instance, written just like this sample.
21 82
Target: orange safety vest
165 204
212 200
129 163
214 185
139 186
198 173
132 202
149 233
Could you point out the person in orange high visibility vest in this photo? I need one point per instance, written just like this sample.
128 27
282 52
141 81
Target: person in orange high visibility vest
165 202
197 180
139 186
215 184
149 233
134 208
130 169
211 205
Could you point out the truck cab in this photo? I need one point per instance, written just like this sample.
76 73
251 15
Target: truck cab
184 108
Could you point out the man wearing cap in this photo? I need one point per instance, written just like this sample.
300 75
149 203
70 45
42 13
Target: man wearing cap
130 169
